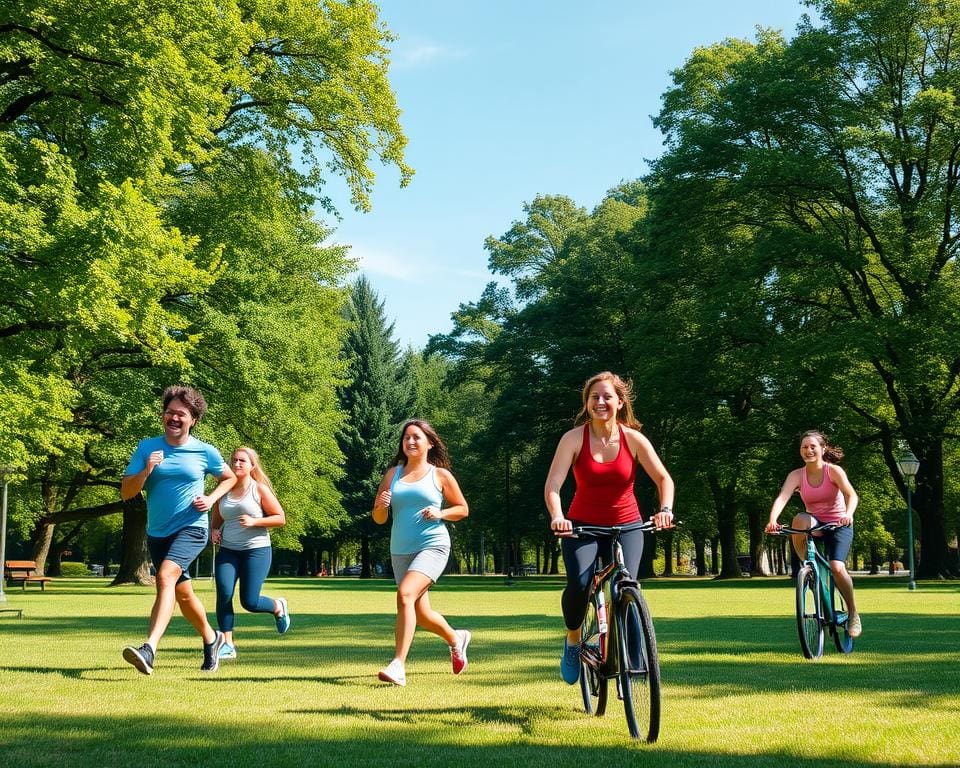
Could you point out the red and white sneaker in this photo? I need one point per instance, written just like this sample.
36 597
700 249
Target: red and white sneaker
458 652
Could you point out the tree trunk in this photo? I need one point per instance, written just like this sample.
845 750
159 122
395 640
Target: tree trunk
935 560
135 559
42 541
715 555
756 521
667 552
700 546
365 572
727 524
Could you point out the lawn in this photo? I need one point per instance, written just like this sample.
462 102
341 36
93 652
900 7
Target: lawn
737 691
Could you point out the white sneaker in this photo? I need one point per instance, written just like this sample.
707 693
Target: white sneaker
458 652
855 626
393 673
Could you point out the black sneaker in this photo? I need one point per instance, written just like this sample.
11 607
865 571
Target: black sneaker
141 658
211 653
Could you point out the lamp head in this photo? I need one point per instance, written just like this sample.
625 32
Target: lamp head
908 464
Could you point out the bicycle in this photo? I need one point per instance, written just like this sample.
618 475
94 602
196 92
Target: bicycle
624 649
820 605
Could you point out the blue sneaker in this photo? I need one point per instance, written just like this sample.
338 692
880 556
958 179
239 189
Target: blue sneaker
570 663
227 651
283 620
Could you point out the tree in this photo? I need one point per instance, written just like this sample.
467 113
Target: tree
112 115
836 153
375 400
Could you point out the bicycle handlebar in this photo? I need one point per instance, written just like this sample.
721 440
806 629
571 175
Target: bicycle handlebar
597 531
786 530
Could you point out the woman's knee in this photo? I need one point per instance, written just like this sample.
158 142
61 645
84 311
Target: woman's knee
839 569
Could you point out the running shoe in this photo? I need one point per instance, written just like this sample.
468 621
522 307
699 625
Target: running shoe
570 663
393 673
283 619
458 652
141 658
854 626
227 651
211 653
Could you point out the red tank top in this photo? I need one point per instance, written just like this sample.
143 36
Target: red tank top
604 494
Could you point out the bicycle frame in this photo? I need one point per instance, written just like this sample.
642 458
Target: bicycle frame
618 641
613 574
827 614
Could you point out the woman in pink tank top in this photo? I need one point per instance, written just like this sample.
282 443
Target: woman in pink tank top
603 453
828 497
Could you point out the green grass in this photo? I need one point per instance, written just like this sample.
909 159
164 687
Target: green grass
736 690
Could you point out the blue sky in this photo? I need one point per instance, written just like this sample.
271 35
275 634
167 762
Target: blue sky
506 99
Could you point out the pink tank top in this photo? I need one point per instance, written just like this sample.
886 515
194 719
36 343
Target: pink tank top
604 494
825 501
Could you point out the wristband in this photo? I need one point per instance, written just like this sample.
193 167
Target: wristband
667 510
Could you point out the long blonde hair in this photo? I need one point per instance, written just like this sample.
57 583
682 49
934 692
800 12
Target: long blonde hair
624 390
256 471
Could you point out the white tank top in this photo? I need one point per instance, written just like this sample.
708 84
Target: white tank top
235 536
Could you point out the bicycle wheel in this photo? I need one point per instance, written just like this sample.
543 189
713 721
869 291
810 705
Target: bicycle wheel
808 613
639 665
593 685
838 628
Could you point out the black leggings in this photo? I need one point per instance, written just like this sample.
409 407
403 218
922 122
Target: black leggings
579 556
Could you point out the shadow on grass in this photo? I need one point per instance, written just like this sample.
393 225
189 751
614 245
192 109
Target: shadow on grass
422 737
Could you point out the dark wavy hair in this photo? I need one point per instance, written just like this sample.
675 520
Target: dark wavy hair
189 397
624 390
831 453
437 455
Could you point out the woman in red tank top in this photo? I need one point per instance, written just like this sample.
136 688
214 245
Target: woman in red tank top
603 453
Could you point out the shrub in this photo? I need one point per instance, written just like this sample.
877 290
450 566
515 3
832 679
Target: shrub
72 570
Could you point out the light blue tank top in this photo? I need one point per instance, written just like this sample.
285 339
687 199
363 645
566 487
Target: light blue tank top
410 532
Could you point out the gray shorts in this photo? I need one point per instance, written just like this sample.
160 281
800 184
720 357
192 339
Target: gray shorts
429 562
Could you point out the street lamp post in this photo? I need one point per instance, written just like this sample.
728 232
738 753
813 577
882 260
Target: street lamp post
909 466
4 472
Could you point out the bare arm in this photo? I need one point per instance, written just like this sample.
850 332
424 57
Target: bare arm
786 491
131 485
456 505
216 524
647 457
850 498
227 481
273 515
381 503
563 459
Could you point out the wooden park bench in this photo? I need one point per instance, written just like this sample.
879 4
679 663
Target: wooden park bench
23 572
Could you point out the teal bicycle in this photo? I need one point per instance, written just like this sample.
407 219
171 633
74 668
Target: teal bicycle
820 605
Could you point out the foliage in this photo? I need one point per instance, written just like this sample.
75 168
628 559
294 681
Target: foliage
375 400
160 163
821 171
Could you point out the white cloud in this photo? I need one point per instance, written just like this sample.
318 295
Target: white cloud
387 263
422 54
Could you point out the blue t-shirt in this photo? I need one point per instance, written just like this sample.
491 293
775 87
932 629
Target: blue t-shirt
175 482
410 532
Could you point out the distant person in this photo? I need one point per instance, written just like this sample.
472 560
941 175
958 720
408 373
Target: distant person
603 454
242 520
170 469
415 489
828 497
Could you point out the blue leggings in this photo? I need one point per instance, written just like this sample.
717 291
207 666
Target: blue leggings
251 567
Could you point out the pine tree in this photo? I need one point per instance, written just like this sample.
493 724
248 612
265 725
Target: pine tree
375 402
